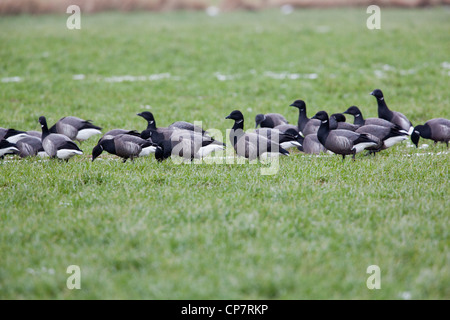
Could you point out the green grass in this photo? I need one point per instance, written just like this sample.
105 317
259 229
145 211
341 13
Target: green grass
146 230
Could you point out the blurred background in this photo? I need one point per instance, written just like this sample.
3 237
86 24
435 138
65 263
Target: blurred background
8 7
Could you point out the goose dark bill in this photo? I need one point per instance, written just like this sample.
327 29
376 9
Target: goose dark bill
437 129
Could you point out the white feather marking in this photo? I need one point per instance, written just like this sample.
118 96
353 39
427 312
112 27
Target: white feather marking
394 140
67 153
204 151
146 151
8 150
17 137
361 146
86 134
290 144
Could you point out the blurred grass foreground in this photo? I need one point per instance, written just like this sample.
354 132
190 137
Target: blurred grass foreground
11 7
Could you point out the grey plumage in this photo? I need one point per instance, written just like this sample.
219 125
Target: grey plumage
125 146
115 132
312 145
343 142
183 125
305 125
251 145
359 120
337 121
437 129
395 117
75 128
270 120
30 147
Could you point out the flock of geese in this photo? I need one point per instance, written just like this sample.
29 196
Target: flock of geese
321 133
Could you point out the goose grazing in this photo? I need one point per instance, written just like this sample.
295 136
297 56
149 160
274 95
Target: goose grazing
115 132
337 121
251 145
269 120
287 139
305 125
13 135
311 145
7 147
75 128
360 121
437 130
385 137
57 145
393 116
187 144
343 142
125 146
30 147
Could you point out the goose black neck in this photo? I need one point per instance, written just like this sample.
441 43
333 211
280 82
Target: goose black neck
109 146
383 110
268 123
324 131
359 120
237 131
45 131
302 119
151 125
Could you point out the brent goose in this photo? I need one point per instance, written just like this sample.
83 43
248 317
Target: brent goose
343 142
437 130
393 116
251 145
125 146
360 121
31 146
75 128
183 125
305 125
57 145
269 120
384 136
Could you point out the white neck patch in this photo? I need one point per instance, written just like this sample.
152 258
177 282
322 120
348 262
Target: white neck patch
151 122
358 115
324 121
382 98
239 121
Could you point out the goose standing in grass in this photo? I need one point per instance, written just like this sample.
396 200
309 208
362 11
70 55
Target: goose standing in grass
187 144
57 145
393 116
305 125
30 147
337 121
251 145
384 136
269 120
311 145
360 121
75 128
7 147
125 146
343 142
437 130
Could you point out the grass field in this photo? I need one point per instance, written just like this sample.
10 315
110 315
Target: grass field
148 230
